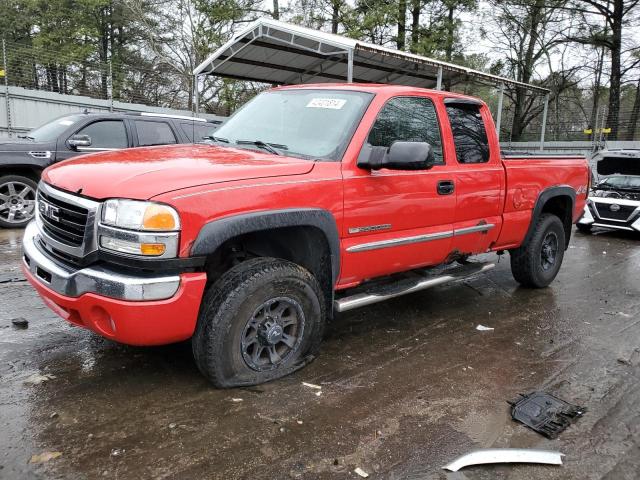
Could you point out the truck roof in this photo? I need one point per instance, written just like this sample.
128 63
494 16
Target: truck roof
377 88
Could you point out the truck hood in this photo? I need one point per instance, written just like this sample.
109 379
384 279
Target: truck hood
623 162
142 173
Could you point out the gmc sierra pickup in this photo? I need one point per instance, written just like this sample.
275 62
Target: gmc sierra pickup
312 200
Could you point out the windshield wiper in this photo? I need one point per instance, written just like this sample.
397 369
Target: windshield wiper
269 147
216 139
26 136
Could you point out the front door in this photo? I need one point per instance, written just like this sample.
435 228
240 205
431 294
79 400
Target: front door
403 217
105 135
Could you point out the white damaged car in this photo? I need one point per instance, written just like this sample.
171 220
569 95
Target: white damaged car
614 201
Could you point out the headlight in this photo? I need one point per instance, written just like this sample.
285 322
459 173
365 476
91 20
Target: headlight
136 215
138 228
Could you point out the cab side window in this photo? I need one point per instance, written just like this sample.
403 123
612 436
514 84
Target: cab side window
469 134
106 134
408 119
154 133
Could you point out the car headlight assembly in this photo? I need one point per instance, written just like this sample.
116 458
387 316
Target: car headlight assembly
137 228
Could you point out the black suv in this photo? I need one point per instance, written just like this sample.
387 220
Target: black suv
22 160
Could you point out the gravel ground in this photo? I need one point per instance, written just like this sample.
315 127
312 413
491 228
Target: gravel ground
407 386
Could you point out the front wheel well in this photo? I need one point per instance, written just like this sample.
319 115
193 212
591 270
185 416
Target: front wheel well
306 246
25 171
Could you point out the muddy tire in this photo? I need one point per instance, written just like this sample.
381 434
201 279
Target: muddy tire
17 201
586 229
537 263
263 319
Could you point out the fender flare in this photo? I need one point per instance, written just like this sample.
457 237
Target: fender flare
215 233
544 196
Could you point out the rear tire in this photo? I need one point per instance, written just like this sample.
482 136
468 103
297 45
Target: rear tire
537 263
586 229
17 201
263 319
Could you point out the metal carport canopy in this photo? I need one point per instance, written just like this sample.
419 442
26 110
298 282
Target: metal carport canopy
280 53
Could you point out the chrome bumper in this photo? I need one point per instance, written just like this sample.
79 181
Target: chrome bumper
103 281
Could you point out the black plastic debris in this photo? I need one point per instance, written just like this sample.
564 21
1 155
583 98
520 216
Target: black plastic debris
545 413
21 323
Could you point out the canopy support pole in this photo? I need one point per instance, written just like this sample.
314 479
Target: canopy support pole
439 79
350 65
196 95
544 121
499 112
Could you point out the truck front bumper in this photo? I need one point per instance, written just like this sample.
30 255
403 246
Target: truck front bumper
133 309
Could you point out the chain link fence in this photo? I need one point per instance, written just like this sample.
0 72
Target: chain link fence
572 115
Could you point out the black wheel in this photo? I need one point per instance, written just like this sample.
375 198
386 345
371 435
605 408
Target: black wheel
583 228
536 264
17 201
263 319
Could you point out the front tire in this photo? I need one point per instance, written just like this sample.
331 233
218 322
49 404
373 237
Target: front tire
263 319
17 201
537 263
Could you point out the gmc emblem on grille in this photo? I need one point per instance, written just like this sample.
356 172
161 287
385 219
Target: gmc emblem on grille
49 211
614 207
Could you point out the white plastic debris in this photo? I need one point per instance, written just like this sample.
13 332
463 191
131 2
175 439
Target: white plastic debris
311 385
361 472
482 328
237 400
318 394
37 379
117 452
505 455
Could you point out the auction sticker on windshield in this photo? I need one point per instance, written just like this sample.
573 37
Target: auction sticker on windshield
332 103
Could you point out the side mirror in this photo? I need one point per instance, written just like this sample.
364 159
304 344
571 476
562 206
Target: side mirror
400 156
77 141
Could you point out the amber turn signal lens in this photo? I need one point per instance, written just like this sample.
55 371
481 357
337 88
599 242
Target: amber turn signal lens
158 217
152 248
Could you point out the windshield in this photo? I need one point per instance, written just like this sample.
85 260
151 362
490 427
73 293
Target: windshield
52 130
315 124
623 182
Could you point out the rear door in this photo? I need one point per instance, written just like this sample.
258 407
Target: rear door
398 220
479 176
153 132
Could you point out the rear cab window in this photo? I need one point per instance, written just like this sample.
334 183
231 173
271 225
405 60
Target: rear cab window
154 133
469 132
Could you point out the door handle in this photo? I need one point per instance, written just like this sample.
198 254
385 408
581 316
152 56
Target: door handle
445 187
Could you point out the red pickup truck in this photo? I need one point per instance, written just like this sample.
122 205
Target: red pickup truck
310 200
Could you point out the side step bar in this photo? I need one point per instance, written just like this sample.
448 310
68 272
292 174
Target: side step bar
396 288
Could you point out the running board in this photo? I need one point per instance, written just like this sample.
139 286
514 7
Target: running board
382 290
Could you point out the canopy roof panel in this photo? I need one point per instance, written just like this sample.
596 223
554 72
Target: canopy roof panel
280 53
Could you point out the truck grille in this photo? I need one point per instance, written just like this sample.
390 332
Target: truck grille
61 220
623 214
67 223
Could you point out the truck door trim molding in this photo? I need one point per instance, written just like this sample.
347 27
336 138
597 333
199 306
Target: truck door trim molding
485 227
396 242
213 234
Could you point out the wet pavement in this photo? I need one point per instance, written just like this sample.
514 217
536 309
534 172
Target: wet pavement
407 386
